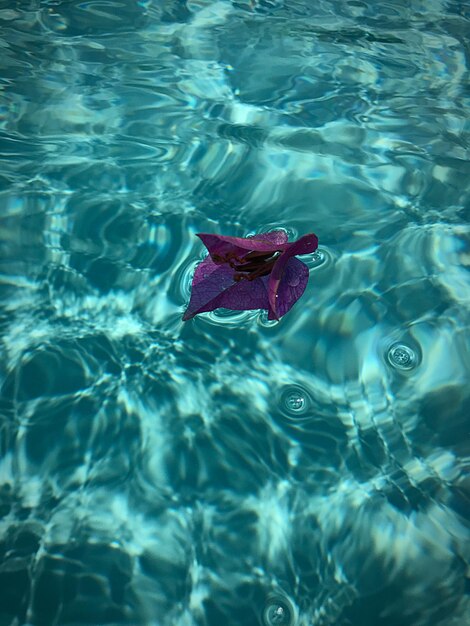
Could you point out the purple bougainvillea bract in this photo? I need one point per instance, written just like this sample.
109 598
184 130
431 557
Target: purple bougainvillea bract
259 272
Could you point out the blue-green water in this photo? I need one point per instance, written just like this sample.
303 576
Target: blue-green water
230 471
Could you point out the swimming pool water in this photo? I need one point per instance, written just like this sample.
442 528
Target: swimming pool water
232 471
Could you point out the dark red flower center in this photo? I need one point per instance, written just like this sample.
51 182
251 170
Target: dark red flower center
250 266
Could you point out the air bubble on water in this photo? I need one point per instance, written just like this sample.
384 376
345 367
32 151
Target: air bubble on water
278 611
402 357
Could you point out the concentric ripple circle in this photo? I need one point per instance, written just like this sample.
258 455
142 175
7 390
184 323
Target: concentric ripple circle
278 611
402 357
186 278
264 321
321 258
295 402
227 317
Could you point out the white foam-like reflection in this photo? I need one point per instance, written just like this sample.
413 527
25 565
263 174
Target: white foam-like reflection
274 526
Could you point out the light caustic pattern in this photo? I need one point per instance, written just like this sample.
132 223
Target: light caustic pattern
232 470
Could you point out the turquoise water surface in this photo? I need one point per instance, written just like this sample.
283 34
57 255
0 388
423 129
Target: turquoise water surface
230 470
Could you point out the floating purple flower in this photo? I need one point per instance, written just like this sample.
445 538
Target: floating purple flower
259 272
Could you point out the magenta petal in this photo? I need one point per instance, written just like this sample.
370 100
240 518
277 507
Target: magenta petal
304 245
291 287
235 277
208 281
246 295
274 237
220 245
213 287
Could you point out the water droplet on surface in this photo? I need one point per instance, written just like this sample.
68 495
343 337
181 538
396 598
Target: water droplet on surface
278 611
320 258
294 401
402 357
293 281
275 614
